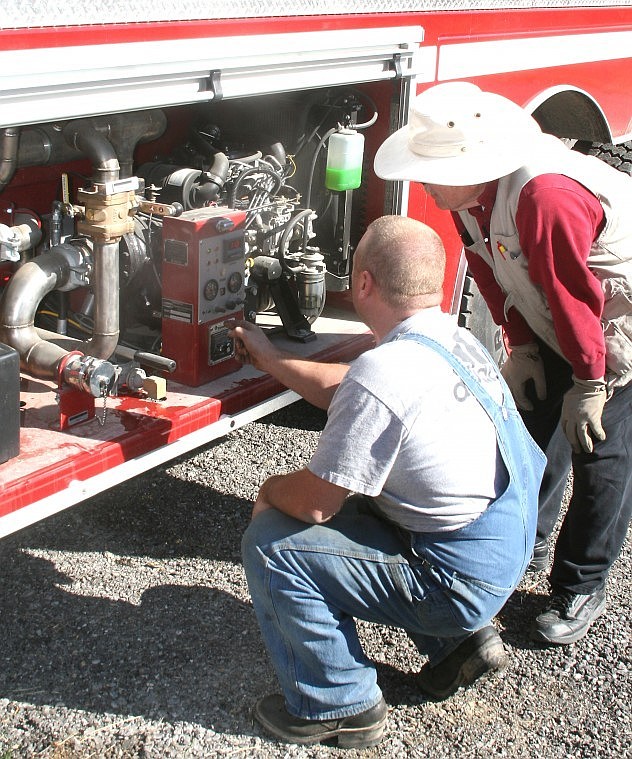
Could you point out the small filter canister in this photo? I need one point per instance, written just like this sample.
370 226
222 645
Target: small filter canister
9 403
344 160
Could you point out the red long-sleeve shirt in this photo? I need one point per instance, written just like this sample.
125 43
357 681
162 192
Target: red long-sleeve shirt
558 219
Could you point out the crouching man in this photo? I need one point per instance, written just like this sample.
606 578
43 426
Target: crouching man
417 509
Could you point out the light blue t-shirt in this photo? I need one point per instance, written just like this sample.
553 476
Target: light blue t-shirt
403 428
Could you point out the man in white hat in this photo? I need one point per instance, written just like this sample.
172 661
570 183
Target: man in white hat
548 238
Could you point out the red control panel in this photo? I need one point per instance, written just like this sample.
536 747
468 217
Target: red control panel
203 286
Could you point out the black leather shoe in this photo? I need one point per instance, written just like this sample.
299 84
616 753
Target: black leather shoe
482 653
540 557
568 616
360 731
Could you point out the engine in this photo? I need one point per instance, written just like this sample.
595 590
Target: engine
142 265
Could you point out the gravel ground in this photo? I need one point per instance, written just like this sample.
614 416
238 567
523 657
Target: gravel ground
126 630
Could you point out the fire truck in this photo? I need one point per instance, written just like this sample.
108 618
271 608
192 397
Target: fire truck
167 166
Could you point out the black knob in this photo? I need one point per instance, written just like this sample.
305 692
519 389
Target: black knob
224 225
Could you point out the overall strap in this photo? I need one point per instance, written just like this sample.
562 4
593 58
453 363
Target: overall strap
473 384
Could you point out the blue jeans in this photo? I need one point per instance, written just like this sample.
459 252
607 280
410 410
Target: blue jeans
310 582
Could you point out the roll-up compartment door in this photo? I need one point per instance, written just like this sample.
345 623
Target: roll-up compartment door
42 85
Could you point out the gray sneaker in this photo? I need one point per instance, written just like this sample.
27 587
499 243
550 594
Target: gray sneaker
568 616
540 557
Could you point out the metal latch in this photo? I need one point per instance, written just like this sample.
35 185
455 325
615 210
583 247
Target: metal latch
213 83
396 65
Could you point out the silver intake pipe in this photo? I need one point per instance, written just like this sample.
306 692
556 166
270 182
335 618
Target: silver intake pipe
28 286
82 135
47 144
105 285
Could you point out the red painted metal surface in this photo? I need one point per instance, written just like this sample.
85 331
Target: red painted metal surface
50 460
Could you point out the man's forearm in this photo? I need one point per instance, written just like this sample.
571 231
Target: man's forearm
301 495
314 381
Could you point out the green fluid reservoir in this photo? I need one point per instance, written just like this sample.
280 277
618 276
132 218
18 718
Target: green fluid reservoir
344 160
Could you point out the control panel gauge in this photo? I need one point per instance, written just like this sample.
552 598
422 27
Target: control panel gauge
211 288
234 282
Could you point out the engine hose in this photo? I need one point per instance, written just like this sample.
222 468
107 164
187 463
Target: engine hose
366 124
247 158
373 118
312 169
278 181
275 230
289 228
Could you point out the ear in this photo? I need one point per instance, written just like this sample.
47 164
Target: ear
365 283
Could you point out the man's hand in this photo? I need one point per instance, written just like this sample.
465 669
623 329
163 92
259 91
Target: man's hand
313 380
524 364
581 413
251 344
261 504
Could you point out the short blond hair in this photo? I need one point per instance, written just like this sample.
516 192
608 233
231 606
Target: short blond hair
405 257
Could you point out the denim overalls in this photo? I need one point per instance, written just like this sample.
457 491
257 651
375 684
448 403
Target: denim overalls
481 563
309 583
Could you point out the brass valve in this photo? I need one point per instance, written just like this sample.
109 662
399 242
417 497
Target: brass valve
108 213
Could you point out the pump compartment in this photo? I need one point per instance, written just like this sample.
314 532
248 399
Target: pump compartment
128 238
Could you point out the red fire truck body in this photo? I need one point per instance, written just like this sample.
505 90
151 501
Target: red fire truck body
160 175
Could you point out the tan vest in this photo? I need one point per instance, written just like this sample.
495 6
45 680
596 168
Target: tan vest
610 258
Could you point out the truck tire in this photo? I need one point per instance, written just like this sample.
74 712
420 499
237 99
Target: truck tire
618 156
475 316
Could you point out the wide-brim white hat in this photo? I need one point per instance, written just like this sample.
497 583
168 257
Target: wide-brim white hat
459 135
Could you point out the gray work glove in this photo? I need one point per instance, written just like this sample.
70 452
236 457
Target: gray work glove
581 413
524 364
